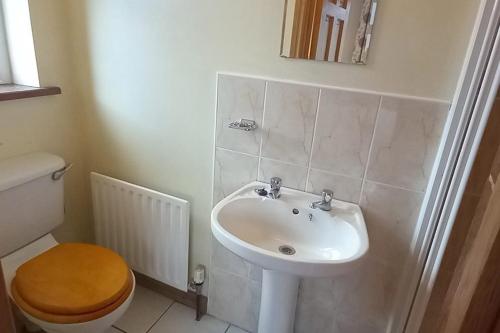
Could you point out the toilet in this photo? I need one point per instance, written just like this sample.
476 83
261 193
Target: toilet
61 288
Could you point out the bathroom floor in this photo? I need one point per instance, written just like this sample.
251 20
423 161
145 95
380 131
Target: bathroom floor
151 312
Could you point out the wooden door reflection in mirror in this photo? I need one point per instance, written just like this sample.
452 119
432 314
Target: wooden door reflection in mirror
328 30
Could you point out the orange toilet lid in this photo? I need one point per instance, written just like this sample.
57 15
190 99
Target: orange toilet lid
72 319
72 279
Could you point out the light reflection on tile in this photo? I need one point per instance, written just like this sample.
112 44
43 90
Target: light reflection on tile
232 171
406 139
344 131
289 122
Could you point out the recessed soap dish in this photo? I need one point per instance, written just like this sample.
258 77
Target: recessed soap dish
243 124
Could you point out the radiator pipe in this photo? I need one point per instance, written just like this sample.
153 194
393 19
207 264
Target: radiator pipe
196 285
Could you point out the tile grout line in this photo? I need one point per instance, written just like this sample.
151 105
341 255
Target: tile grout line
284 162
370 150
332 87
395 187
266 88
331 173
118 329
227 328
214 153
235 151
222 270
161 316
320 92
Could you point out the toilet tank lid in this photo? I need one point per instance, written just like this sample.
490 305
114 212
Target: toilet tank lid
24 168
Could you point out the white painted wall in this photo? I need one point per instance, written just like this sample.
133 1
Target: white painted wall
147 70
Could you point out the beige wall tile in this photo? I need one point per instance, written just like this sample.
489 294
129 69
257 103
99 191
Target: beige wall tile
405 142
359 301
344 188
293 176
234 299
403 149
232 171
390 215
238 98
225 260
344 131
289 120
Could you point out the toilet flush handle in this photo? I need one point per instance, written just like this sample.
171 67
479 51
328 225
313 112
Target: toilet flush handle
56 175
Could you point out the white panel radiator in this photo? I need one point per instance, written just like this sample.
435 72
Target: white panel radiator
148 228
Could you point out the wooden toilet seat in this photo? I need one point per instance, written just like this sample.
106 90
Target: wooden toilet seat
72 283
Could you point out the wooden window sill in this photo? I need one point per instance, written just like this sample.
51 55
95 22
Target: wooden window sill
14 91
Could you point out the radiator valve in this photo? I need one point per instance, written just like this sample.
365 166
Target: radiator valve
196 284
199 275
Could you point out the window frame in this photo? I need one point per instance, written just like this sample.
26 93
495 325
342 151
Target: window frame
15 81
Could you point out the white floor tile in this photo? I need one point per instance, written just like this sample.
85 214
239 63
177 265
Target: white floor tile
234 329
146 308
181 319
113 330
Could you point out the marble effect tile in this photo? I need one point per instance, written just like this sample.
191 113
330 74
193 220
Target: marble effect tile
145 309
234 329
349 324
225 260
344 131
390 215
290 114
232 171
181 319
405 142
293 176
255 272
113 330
225 288
404 145
239 98
368 293
359 300
315 306
344 188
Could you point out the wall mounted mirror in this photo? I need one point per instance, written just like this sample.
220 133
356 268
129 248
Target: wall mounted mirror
328 30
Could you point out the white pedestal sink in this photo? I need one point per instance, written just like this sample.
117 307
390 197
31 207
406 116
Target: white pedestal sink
289 240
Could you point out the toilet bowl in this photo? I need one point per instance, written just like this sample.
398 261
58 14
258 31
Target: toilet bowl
101 321
61 288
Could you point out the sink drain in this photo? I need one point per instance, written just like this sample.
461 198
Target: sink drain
287 249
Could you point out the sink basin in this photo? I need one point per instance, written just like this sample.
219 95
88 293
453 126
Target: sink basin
289 240
255 227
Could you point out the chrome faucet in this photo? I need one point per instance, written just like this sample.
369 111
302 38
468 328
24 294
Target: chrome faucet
274 193
326 201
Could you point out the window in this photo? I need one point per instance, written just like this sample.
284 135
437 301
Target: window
19 43
18 67
5 74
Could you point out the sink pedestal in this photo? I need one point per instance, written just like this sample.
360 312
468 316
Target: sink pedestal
278 302
279 235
